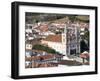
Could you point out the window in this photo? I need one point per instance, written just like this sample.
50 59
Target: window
73 51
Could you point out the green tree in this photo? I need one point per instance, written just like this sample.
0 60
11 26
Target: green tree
72 18
86 35
44 48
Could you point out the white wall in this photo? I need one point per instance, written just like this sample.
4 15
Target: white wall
59 47
5 40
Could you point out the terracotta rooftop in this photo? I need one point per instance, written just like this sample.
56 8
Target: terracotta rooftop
36 65
54 38
38 51
43 28
45 57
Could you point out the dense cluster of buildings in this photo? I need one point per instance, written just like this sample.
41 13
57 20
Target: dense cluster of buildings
66 43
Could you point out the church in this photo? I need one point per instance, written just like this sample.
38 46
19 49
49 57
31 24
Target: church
67 43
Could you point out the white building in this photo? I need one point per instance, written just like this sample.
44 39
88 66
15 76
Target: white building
57 42
28 30
29 46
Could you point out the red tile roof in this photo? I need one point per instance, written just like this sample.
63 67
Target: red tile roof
45 57
43 28
54 38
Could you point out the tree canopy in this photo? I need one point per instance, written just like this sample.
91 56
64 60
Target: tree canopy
44 48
